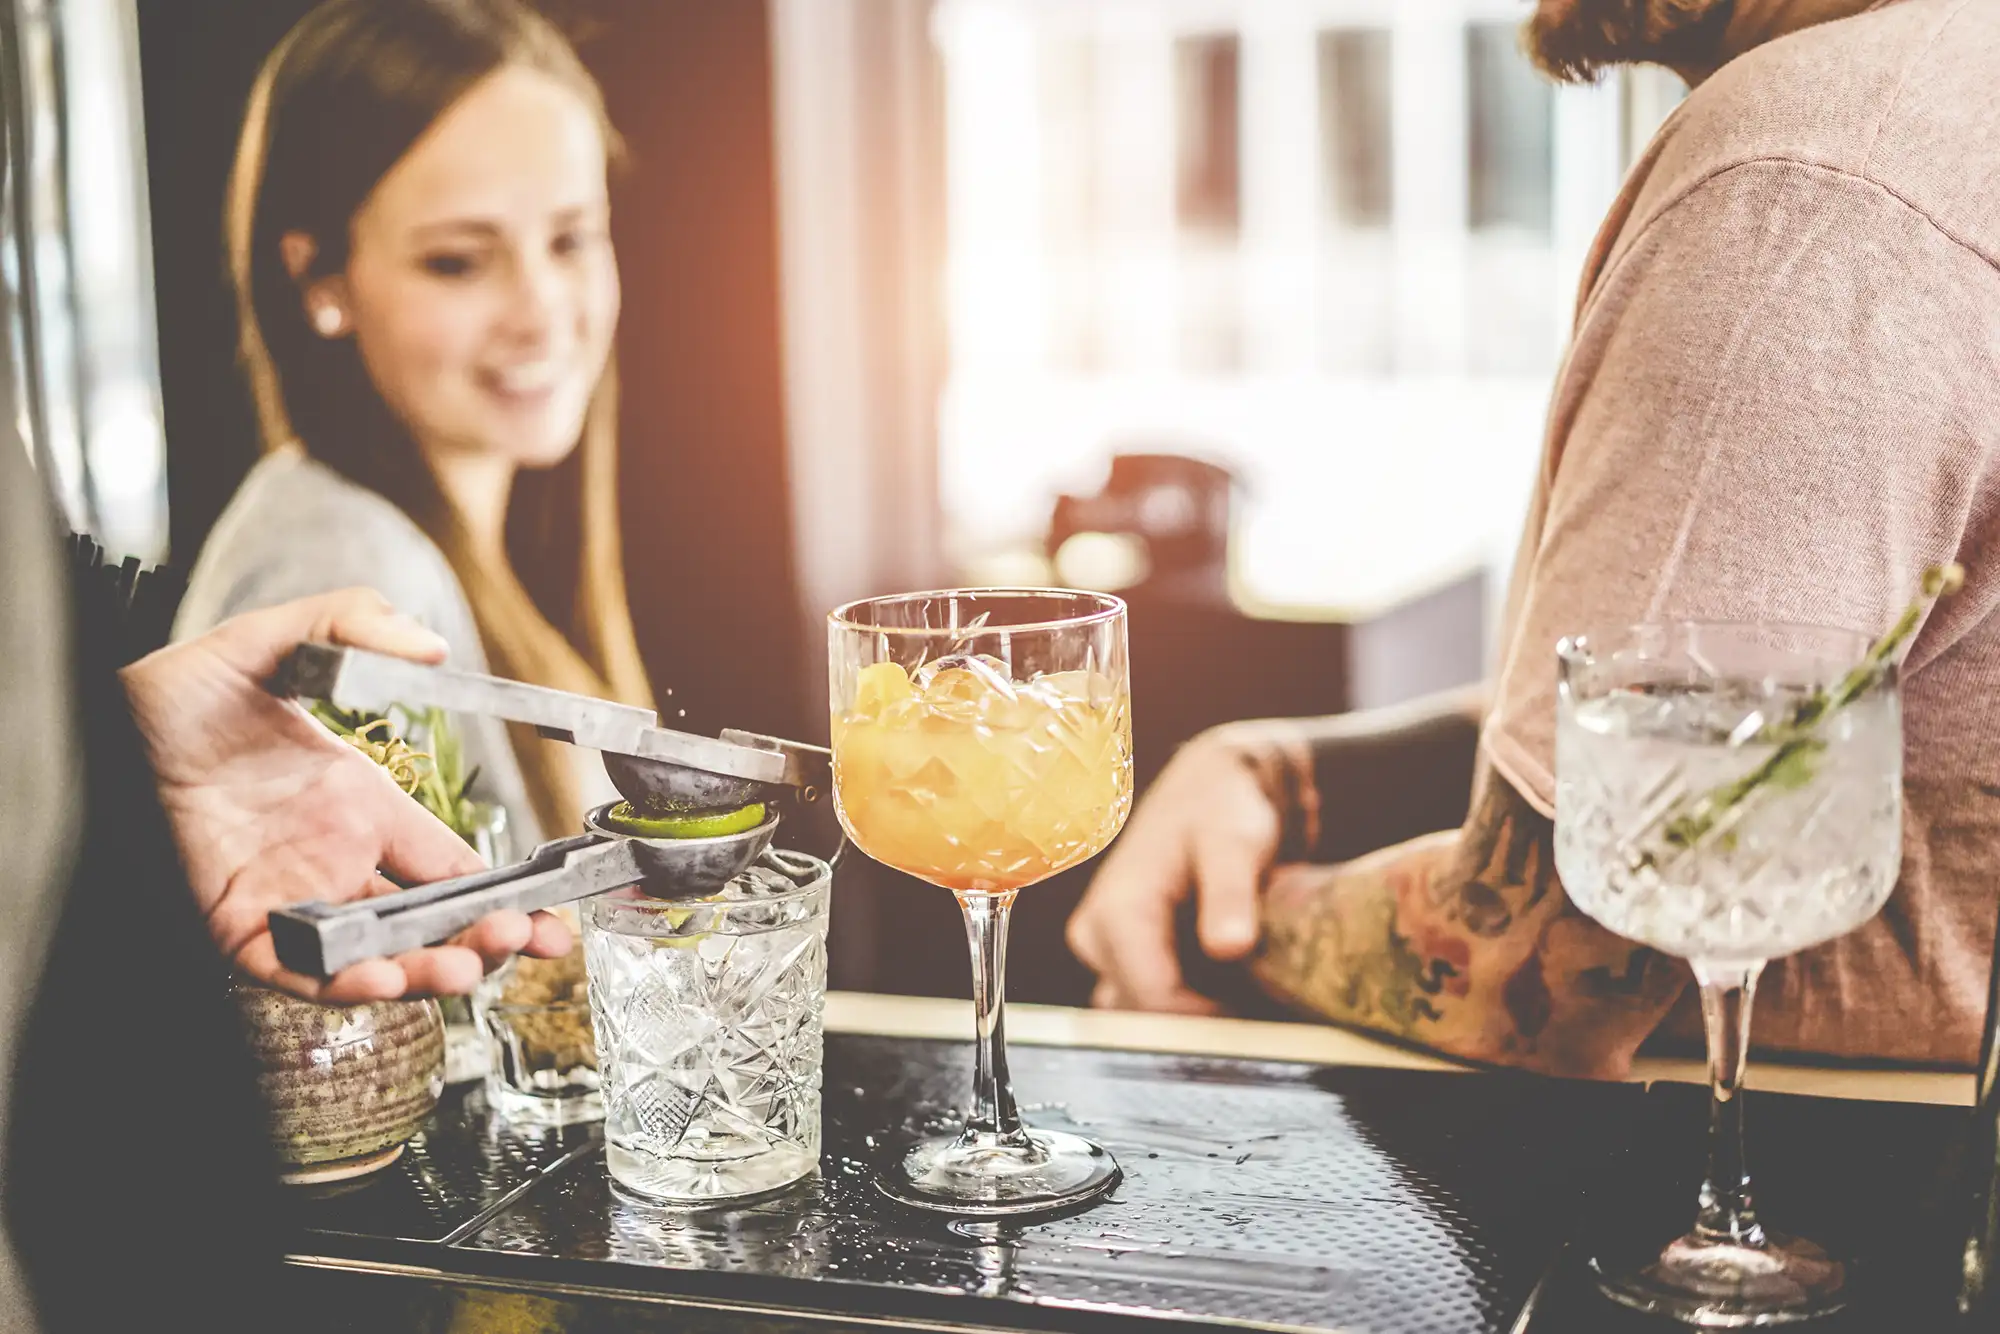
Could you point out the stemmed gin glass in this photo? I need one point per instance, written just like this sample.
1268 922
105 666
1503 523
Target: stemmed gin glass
1728 794
982 741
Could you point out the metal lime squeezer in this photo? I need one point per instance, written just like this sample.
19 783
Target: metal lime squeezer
654 768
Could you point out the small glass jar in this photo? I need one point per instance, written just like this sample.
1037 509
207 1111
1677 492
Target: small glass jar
465 1049
709 1024
541 1056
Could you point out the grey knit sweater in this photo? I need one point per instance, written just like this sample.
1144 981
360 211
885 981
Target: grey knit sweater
296 528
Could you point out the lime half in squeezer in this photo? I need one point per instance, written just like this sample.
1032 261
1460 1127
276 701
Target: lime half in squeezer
625 820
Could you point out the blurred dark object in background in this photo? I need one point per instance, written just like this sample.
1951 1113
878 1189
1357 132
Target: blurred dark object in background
197 61
140 602
710 554
1176 509
1200 659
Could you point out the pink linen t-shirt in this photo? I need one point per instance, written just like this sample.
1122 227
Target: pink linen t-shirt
1782 402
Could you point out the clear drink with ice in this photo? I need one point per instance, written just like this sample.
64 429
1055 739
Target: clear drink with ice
1729 794
708 1015
1793 865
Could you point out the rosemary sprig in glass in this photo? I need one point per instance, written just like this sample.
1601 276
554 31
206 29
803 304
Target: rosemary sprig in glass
1792 764
436 777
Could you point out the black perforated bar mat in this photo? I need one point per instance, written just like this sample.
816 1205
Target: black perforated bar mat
464 1163
1260 1194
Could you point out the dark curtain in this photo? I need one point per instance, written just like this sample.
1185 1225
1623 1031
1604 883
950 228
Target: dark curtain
197 60
708 533
709 547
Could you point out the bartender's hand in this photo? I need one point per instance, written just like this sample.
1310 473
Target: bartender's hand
269 808
1206 827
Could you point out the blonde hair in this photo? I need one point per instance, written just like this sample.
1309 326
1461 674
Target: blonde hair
336 105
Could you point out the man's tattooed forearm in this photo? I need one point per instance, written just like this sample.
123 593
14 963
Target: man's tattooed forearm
1506 860
1344 955
1466 942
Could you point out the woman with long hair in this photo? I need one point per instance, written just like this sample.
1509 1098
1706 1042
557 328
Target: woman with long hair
417 231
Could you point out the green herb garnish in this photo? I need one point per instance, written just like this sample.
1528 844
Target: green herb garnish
436 776
1793 764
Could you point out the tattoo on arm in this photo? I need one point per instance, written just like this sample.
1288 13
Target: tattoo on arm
1466 941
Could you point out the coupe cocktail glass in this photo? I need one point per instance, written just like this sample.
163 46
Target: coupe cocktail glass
1712 802
982 741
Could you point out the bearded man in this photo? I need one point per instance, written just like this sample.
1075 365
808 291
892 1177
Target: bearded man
1782 402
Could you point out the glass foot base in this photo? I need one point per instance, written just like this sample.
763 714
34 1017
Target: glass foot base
983 1176
660 1178
580 1104
1720 1284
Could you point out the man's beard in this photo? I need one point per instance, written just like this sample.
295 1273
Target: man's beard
1574 40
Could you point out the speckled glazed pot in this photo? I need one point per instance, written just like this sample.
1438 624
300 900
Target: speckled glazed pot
343 1087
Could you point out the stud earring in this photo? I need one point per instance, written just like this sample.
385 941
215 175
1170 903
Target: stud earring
327 319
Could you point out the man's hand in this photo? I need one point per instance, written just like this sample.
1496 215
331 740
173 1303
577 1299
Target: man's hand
270 809
1210 825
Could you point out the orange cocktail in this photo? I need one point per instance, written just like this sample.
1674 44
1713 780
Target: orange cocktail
971 780
982 740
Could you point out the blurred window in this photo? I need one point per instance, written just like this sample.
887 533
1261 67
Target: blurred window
1208 162
1207 134
1331 244
1509 132
75 258
1357 135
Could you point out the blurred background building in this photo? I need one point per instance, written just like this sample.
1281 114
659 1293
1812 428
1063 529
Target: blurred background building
1248 309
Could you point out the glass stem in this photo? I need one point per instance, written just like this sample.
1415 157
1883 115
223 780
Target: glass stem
993 1115
1727 1212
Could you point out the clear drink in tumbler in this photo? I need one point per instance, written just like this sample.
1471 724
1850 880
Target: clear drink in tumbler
708 1015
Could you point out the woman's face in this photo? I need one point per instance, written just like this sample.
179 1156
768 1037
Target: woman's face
480 285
